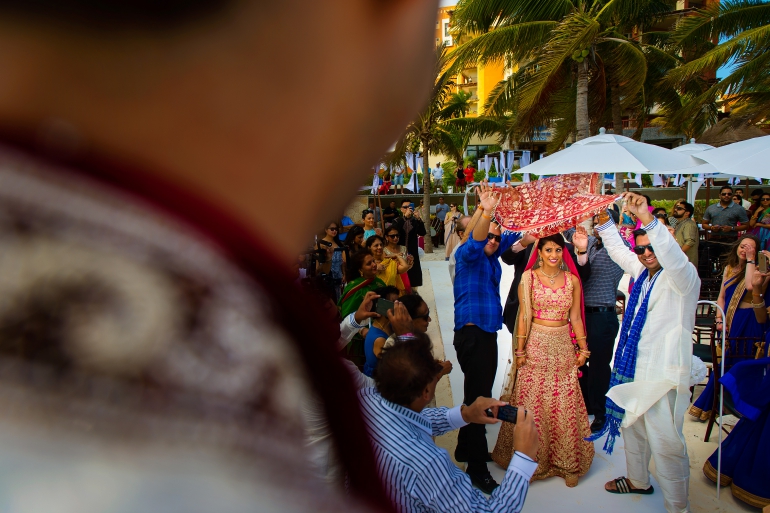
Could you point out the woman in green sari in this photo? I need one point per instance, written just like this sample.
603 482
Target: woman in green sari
362 264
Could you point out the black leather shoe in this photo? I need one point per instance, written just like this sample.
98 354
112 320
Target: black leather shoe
461 457
597 424
484 482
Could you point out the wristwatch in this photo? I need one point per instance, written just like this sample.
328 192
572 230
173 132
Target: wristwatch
581 252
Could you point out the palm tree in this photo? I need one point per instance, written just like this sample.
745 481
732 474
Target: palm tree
564 51
742 28
427 131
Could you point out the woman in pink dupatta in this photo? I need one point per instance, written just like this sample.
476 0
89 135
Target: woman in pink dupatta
544 379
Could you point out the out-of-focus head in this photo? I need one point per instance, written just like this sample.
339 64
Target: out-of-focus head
176 86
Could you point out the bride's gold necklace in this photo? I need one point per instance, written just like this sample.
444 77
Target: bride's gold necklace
551 278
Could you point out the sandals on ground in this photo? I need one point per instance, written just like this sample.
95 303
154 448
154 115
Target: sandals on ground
622 485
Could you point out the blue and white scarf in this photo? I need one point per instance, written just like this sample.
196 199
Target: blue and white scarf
625 358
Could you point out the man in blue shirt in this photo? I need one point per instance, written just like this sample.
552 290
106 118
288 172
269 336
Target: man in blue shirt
418 475
478 318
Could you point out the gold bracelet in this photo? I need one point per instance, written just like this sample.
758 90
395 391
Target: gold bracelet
485 216
521 336
757 305
580 338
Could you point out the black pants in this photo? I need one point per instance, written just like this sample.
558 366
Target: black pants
601 330
477 355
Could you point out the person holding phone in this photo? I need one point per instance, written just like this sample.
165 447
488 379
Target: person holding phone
411 226
380 329
418 474
335 261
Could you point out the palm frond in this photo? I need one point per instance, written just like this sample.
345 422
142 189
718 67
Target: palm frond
517 41
480 16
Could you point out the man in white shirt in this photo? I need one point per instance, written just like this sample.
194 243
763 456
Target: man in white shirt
658 395
438 177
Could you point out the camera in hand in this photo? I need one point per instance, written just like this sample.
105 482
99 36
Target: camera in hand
505 413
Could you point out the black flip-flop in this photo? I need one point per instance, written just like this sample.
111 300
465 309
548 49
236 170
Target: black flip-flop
623 486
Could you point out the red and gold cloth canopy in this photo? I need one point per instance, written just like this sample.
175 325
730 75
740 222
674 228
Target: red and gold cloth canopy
551 205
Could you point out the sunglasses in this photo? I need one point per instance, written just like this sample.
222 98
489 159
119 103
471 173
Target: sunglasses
678 208
332 228
725 193
491 236
639 250
765 199
424 317
392 235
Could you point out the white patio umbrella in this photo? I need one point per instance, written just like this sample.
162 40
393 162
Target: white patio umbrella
744 158
698 174
609 153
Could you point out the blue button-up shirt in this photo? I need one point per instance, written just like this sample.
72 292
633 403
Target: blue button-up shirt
477 284
419 476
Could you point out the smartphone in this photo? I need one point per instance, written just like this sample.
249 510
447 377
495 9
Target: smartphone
382 307
505 413
762 263
411 205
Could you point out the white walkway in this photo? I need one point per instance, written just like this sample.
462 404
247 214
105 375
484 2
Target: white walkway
552 494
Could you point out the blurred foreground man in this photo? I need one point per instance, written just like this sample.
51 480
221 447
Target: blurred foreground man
152 358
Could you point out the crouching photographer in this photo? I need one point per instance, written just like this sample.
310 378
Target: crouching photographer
418 475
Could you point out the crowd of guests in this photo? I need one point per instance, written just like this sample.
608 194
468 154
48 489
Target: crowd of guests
561 309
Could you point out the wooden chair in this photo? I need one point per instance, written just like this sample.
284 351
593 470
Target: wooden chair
741 348
709 288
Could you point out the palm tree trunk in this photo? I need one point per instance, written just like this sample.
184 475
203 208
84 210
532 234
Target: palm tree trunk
617 123
426 197
581 107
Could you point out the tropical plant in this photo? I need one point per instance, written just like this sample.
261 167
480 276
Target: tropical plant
742 28
431 129
564 53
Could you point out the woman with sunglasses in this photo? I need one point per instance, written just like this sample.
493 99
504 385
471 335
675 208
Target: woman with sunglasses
335 262
735 299
544 379
393 249
389 269
451 237
760 221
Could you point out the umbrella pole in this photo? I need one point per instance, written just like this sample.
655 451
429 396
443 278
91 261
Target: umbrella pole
708 191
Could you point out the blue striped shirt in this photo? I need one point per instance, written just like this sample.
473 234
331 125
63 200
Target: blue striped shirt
418 475
477 284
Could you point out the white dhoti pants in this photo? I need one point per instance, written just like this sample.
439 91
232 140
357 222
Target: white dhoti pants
658 434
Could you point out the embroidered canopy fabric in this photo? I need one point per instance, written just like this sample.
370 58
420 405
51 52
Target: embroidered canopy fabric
551 205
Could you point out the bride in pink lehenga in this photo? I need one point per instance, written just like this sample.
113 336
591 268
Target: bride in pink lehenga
547 360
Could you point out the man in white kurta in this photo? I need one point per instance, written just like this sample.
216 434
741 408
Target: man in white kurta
656 401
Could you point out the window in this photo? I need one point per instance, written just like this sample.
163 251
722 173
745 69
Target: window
447 37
